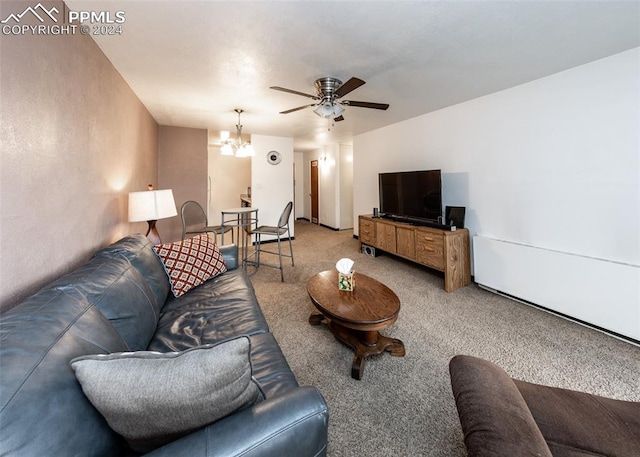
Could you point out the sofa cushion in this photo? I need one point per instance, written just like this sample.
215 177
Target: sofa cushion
138 249
121 293
152 398
42 407
581 424
190 262
221 308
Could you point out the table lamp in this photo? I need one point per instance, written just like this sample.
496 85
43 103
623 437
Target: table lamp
151 205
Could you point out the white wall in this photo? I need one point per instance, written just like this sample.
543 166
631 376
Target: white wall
307 157
299 185
345 182
229 177
554 163
271 185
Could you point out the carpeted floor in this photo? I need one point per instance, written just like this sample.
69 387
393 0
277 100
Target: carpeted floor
404 406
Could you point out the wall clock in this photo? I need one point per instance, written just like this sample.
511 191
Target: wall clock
274 157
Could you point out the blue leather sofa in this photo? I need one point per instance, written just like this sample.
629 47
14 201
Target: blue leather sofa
120 301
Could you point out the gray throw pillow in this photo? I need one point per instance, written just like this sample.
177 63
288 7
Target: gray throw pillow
152 398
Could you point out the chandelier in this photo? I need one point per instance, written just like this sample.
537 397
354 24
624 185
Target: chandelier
235 147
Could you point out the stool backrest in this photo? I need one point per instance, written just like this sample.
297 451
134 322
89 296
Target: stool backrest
284 217
192 215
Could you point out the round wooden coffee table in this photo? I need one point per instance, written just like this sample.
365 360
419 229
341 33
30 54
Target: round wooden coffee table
355 318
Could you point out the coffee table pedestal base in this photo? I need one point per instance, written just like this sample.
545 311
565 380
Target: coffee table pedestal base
364 343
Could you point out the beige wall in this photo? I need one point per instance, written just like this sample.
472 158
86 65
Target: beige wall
74 141
182 167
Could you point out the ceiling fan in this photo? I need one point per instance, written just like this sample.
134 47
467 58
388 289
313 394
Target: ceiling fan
328 92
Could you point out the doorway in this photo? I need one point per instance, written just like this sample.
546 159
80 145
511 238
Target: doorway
314 192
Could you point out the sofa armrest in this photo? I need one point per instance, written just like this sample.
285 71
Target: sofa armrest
230 254
495 419
294 423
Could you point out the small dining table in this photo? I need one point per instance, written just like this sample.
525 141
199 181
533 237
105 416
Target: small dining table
244 219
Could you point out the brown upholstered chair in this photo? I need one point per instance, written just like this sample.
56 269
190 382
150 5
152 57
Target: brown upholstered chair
501 416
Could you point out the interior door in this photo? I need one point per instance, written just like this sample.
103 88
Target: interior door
314 192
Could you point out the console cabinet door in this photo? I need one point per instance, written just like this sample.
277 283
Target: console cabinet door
405 242
386 237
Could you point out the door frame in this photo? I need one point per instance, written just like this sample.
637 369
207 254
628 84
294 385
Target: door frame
314 192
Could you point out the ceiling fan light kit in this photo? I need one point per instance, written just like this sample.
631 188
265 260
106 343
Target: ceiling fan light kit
329 90
329 110
236 147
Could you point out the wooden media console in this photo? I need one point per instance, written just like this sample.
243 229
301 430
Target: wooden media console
442 250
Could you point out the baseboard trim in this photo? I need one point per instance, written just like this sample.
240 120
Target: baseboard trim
332 228
321 225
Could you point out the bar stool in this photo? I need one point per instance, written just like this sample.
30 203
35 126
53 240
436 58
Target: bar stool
277 231
194 220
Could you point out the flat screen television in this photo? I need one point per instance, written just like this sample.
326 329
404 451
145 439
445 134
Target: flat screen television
411 195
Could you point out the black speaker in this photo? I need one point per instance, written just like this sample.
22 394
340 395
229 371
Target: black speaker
375 212
454 215
370 251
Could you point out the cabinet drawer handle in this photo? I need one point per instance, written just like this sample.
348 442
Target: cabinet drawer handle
427 238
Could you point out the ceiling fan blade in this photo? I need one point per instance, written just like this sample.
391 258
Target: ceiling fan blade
366 104
339 118
347 87
282 89
296 109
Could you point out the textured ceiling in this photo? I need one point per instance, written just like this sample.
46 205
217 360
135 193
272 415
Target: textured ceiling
192 62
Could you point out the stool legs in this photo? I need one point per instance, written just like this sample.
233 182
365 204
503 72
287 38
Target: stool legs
278 236
290 248
280 259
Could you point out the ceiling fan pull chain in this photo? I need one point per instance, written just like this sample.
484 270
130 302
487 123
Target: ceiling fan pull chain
330 123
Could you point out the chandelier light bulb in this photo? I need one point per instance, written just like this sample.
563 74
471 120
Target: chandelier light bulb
226 150
241 152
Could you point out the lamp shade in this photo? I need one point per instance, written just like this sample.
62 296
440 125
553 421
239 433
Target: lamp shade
151 205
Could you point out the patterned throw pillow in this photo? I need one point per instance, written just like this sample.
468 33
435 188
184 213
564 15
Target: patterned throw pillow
190 262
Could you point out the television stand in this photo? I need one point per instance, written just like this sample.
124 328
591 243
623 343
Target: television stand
442 249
